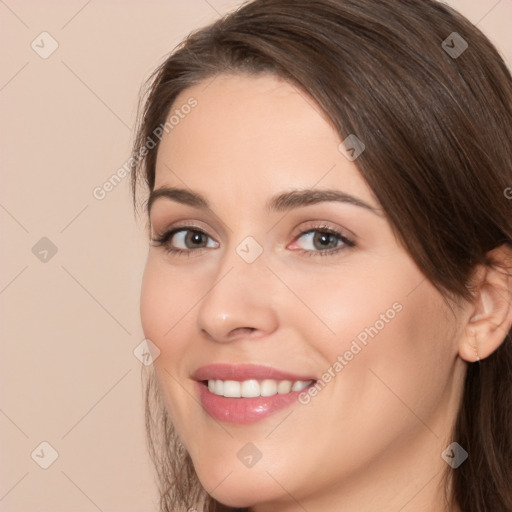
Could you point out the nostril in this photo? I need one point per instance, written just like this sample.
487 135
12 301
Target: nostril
242 330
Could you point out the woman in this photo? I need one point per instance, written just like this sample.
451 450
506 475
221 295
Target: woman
327 292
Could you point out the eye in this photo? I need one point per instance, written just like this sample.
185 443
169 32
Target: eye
321 240
181 240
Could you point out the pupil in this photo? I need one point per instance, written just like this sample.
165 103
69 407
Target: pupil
325 240
196 238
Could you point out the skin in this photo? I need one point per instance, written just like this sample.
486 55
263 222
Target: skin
372 438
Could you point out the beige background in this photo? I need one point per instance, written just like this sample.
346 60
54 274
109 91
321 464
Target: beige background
70 323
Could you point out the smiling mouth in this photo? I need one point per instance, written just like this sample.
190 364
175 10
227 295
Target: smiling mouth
247 393
253 388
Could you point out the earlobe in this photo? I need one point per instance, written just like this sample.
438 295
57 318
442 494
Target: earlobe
490 318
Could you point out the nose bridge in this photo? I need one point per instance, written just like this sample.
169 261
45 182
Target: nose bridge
238 300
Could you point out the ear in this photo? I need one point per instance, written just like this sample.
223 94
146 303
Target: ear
490 313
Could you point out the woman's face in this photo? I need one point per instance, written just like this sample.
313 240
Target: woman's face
282 267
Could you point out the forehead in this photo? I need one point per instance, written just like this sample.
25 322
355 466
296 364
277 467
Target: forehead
251 131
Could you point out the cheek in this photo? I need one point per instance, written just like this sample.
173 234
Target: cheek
166 307
166 299
154 296
404 356
356 301
385 341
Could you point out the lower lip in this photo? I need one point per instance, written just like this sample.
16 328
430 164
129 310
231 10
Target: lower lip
244 410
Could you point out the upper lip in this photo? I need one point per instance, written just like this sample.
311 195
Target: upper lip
241 372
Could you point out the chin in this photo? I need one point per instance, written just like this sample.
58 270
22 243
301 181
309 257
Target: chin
238 488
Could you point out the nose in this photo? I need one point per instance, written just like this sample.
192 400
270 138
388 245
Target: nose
239 304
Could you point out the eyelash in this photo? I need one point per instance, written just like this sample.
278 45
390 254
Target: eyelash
163 240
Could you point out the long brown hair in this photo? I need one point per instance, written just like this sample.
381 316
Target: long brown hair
436 119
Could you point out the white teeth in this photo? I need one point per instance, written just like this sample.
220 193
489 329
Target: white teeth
299 385
252 388
232 389
285 386
268 388
219 387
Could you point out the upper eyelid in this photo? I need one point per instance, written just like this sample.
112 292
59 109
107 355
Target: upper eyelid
175 229
182 219
303 231
349 240
324 226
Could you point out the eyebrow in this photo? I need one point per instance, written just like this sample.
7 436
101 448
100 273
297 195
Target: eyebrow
280 203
